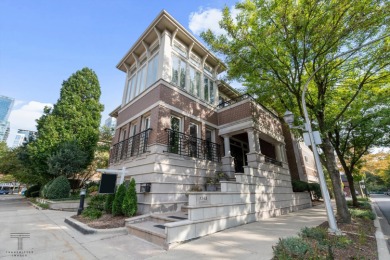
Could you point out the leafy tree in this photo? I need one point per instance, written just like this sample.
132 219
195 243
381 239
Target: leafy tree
376 168
130 206
118 201
273 47
67 160
74 118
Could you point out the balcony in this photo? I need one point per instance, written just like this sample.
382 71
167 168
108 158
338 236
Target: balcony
182 144
133 146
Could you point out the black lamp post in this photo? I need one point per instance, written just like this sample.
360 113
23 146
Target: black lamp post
83 191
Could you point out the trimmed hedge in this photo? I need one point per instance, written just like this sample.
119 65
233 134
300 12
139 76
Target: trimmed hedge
45 188
59 188
108 203
129 206
97 202
299 186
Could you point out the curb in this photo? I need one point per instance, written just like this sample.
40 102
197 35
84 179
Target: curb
87 230
383 252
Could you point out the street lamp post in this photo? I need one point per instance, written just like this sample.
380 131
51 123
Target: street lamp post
325 193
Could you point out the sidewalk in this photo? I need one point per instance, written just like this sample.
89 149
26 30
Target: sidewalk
251 241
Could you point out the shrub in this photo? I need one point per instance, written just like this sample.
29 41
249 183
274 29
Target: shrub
59 188
108 203
315 188
291 248
32 191
299 186
97 202
118 201
92 213
129 206
316 233
360 213
45 189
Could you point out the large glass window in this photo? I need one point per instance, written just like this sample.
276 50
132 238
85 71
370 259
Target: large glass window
193 142
178 71
209 94
194 82
174 137
152 70
131 88
140 80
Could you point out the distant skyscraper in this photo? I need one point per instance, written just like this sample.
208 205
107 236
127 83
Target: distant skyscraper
6 105
110 122
24 137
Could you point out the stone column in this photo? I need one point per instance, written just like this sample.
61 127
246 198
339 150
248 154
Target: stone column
165 59
228 160
254 156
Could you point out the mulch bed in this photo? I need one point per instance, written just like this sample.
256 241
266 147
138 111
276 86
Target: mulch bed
104 222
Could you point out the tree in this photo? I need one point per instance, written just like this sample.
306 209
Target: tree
376 168
129 207
67 160
364 126
118 201
74 118
274 46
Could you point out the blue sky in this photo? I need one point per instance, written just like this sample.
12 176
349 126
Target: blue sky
42 42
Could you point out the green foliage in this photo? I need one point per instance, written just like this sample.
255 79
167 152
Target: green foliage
32 191
129 206
361 213
342 241
59 188
118 201
315 188
291 248
219 176
316 233
97 202
68 159
108 203
299 186
74 118
91 213
45 188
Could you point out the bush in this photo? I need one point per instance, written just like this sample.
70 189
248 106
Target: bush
316 233
118 201
33 191
45 189
129 206
97 202
361 213
91 213
108 203
315 188
299 186
291 248
59 188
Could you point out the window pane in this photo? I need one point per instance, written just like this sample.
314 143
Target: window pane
212 96
206 89
175 70
182 74
152 71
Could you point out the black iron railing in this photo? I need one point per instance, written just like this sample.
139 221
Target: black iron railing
273 161
244 97
133 146
187 145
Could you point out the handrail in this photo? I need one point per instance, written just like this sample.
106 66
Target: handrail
273 161
187 145
132 146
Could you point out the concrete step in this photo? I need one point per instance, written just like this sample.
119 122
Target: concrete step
152 229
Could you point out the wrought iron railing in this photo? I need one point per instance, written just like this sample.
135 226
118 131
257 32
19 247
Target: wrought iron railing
244 97
133 146
273 161
187 145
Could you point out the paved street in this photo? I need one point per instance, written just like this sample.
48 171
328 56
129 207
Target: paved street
382 209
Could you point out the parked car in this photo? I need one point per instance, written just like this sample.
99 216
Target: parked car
4 192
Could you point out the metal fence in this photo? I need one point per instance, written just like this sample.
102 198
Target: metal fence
273 161
133 146
187 145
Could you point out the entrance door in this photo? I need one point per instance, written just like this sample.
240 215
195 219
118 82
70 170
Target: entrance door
193 142
239 150
174 138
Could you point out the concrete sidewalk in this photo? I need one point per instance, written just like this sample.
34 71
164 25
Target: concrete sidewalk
251 241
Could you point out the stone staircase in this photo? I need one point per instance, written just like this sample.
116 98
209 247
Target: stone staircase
151 227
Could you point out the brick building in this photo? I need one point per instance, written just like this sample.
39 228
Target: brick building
178 124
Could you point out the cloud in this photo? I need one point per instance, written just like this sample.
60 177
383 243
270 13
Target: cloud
209 18
23 116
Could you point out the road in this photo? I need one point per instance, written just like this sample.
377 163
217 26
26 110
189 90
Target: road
382 208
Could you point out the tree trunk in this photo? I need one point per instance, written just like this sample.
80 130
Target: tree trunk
330 164
352 188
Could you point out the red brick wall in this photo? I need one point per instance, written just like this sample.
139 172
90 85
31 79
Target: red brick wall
235 113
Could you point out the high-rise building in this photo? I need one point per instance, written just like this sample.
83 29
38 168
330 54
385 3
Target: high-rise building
6 105
24 137
110 122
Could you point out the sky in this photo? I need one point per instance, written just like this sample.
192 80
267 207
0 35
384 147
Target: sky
43 42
